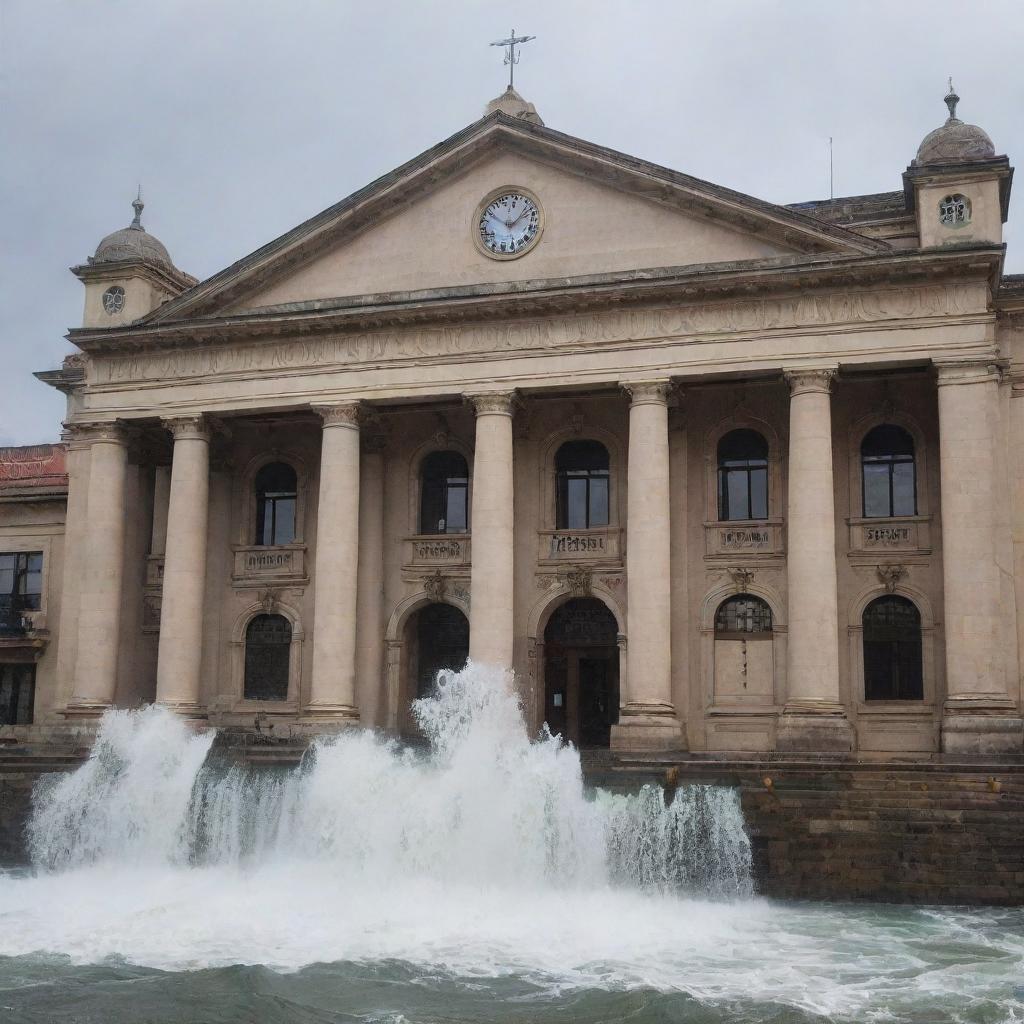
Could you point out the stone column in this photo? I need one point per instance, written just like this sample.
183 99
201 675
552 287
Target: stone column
813 718
979 715
333 691
491 575
370 599
180 651
647 717
102 571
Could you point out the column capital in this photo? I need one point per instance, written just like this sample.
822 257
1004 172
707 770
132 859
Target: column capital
491 403
83 434
194 427
812 379
647 392
967 371
341 414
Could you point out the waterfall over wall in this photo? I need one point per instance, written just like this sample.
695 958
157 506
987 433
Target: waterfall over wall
487 806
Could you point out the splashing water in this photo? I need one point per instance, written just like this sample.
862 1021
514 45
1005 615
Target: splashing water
487 805
476 882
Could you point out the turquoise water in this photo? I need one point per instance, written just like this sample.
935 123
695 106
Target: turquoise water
479 882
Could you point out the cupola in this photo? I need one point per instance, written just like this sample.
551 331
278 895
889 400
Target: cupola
130 274
957 184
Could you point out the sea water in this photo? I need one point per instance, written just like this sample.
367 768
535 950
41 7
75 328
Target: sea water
476 881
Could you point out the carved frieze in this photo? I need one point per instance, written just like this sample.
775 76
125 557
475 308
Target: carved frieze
727 540
256 564
459 340
441 549
601 545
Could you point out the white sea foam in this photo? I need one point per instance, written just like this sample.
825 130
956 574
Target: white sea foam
482 859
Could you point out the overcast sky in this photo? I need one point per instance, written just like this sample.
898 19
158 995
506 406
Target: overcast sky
242 118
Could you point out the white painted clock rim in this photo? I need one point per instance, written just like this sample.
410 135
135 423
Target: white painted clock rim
486 201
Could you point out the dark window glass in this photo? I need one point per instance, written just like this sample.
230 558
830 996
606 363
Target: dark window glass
268 641
582 484
444 493
276 493
17 694
743 613
892 650
888 471
442 633
742 476
21 588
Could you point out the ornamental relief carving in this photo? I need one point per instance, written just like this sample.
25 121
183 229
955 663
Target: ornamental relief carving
642 325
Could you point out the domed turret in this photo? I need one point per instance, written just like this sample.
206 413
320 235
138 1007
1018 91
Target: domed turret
954 142
129 275
132 243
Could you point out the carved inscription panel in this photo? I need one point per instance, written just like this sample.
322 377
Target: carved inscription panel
442 549
580 546
730 539
257 564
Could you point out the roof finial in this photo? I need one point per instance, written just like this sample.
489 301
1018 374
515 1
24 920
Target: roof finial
138 206
951 100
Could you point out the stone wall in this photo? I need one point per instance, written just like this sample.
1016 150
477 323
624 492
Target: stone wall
905 833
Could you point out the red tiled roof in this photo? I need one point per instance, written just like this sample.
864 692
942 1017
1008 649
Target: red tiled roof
33 466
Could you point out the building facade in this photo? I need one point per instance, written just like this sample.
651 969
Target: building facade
708 473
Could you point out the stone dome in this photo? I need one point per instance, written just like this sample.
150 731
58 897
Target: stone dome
132 243
955 142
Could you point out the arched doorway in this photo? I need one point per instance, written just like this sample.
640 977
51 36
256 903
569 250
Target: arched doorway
581 672
436 638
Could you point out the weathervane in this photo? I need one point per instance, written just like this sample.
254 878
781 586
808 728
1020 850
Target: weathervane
511 57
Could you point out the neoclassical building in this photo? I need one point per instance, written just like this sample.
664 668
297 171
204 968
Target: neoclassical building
707 472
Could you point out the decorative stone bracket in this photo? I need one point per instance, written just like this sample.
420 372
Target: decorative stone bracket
891 575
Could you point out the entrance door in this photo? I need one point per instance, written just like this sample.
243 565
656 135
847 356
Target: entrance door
581 673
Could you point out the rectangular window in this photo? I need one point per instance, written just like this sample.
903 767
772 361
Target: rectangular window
598 501
455 518
17 694
737 486
21 586
904 500
577 519
876 490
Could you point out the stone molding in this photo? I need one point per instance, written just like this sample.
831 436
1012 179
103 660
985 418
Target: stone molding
647 392
816 380
192 428
233 355
967 371
492 403
343 414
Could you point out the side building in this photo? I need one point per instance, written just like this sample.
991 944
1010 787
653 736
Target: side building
709 473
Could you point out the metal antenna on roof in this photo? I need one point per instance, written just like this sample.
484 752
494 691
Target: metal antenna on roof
831 178
511 57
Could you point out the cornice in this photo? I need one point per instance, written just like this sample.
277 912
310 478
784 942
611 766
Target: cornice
552 297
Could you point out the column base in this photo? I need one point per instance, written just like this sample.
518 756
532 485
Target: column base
343 714
982 734
814 727
648 728
83 707
185 708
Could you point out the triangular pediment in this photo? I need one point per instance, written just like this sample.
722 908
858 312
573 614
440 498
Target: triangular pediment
603 214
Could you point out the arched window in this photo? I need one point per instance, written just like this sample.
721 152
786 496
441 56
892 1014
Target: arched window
892 650
742 476
582 476
888 473
742 617
276 493
268 640
444 493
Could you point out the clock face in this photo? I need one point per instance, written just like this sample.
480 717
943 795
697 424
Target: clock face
509 224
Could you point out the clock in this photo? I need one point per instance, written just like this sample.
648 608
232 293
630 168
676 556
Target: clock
508 223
